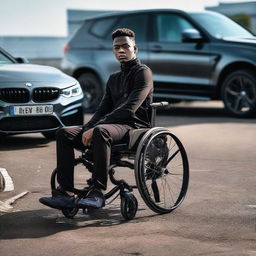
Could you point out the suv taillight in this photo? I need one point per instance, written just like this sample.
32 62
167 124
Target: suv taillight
66 48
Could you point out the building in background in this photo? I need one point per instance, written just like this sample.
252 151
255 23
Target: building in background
46 50
49 50
243 13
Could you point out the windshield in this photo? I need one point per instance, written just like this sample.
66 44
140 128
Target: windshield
220 26
4 59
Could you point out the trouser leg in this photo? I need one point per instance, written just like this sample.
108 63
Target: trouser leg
103 137
67 139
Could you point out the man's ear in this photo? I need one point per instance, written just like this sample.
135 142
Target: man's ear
135 48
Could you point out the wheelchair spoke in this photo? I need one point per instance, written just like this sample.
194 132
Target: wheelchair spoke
173 155
169 188
163 192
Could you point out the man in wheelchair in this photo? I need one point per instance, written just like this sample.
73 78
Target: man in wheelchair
124 106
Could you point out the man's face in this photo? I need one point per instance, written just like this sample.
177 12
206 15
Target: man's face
124 48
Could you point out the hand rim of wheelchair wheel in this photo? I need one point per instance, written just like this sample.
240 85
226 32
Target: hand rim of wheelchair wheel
139 167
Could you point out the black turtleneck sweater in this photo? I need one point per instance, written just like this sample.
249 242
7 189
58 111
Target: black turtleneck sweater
127 97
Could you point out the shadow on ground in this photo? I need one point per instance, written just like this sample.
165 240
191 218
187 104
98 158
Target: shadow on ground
14 142
44 222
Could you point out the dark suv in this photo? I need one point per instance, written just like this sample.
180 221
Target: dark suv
193 56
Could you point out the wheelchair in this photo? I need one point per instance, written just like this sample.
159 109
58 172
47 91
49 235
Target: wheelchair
160 164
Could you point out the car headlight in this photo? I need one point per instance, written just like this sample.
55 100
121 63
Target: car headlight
71 91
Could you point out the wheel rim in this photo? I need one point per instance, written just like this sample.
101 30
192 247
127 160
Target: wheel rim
240 94
90 93
129 205
164 175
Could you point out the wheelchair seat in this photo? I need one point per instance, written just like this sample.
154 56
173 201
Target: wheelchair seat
131 141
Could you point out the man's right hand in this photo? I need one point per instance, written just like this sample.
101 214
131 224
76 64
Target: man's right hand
87 137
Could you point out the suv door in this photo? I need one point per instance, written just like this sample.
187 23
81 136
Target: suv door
181 69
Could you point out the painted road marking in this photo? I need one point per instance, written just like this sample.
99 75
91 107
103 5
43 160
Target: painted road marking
252 206
6 205
8 183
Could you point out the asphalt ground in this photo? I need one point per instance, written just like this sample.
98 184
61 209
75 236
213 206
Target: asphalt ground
217 217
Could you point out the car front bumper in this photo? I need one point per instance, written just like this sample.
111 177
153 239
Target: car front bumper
66 111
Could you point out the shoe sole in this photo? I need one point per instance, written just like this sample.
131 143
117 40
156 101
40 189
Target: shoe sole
82 206
55 207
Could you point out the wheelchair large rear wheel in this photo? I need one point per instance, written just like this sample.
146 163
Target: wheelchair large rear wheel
161 170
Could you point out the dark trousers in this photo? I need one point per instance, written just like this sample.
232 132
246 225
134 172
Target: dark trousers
70 138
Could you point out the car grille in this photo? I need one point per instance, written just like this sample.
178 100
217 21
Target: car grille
14 95
30 123
45 94
22 95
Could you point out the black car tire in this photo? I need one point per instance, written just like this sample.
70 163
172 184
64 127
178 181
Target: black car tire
239 93
50 135
92 90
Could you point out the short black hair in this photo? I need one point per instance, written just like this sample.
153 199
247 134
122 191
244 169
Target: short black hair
123 32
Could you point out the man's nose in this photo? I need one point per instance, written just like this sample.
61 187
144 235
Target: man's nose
121 49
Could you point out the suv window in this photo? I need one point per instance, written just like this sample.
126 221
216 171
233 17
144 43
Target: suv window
102 26
137 23
170 27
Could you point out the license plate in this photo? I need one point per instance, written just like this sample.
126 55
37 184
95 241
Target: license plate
31 110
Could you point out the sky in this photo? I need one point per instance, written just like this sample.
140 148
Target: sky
49 17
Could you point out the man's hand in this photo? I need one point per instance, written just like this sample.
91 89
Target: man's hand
87 137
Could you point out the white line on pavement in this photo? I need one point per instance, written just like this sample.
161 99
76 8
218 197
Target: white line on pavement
8 183
252 206
6 205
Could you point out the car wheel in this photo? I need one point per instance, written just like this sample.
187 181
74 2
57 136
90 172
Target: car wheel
239 93
92 90
50 135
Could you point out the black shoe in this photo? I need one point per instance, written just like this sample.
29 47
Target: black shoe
59 200
94 199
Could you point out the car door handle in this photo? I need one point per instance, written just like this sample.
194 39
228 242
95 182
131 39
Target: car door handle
156 48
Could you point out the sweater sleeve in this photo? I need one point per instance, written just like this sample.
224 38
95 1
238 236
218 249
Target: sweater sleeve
106 106
143 85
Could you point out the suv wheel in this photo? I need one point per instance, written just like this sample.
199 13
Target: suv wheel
239 93
92 90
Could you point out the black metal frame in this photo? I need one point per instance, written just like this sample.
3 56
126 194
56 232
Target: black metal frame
118 152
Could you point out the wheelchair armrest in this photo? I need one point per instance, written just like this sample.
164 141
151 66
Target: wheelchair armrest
154 106
162 104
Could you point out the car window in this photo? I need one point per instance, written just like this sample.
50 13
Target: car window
220 26
137 23
170 27
101 27
4 59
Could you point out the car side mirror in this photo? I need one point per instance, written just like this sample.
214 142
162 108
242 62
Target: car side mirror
191 35
22 60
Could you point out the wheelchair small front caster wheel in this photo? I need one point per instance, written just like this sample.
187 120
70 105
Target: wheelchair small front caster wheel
70 213
129 206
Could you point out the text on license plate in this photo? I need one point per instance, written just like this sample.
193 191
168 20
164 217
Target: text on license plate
31 110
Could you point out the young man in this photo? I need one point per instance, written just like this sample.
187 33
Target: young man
124 106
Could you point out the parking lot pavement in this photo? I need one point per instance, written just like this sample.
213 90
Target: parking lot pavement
218 216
